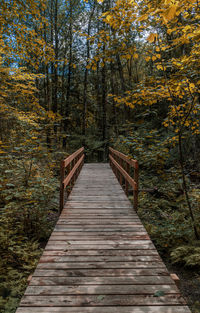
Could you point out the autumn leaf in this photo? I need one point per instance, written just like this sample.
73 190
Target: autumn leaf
171 13
152 37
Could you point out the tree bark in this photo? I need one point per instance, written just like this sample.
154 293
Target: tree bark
68 94
84 117
114 114
55 67
185 186
104 100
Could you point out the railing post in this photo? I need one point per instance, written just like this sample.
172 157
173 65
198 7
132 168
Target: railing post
72 166
83 160
69 186
120 175
126 182
62 177
136 188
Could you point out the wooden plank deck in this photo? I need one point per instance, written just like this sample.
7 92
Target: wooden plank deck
99 258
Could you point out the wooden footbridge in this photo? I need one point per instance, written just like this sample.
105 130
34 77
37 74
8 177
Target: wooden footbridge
99 258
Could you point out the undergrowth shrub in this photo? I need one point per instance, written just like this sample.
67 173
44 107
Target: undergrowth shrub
28 211
188 255
162 205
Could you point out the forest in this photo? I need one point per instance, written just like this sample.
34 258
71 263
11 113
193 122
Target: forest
99 73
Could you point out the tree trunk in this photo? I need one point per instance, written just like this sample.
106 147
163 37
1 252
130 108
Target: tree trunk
104 102
114 115
55 74
84 121
67 105
185 186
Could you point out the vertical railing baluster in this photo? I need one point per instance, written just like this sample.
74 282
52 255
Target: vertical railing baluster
68 168
126 182
120 175
136 188
62 189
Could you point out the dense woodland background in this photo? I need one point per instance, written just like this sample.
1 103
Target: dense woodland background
98 73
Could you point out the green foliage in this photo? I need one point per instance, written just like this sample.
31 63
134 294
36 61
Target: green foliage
19 258
28 210
162 205
188 255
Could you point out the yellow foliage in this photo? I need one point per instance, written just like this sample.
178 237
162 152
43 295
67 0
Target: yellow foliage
152 37
170 13
179 86
159 67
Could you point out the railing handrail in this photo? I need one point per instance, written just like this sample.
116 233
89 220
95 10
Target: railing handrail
124 173
132 162
116 161
73 163
72 156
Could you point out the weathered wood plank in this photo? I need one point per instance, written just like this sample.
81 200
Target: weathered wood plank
93 215
112 218
99 242
100 289
103 226
100 222
104 300
97 205
96 229
103 210
66 246
136 236
99 213
101 272
98 199
98 234
68 265
116 252
107 309
99 258
124 280
79 192
99 217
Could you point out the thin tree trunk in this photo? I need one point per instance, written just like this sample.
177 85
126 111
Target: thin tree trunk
185 186
104 101
65 124
52 40
114 115
121 74
98 116
84 122
55 82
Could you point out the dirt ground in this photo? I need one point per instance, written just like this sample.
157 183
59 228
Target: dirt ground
189 285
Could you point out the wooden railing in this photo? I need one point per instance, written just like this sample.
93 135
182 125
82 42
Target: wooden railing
122 167
72 165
